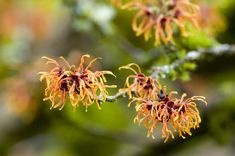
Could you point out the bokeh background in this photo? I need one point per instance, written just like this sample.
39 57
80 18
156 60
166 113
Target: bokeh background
30 29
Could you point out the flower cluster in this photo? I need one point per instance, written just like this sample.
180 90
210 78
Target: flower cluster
80 85
155 106
162 17
143 86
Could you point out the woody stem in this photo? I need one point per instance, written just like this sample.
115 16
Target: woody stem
192 56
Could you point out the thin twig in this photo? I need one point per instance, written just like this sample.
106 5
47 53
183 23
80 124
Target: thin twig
114 97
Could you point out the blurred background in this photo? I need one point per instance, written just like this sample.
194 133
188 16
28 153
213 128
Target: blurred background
30 29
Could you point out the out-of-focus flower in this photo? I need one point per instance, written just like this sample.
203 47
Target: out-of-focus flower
36 18
116 2
210 19
18 98
26 24
161 17
81 84
142 86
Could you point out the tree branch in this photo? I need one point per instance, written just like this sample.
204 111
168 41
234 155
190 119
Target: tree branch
113 98
191 56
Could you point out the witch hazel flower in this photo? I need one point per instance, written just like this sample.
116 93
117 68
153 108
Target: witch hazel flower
162 18
141 85
155 107
78 84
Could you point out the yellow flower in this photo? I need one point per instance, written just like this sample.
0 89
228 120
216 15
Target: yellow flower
161 17
142 86
145 109
188 116
56 81
81 84
173 114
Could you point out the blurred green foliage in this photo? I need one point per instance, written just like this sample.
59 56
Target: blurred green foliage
31 29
